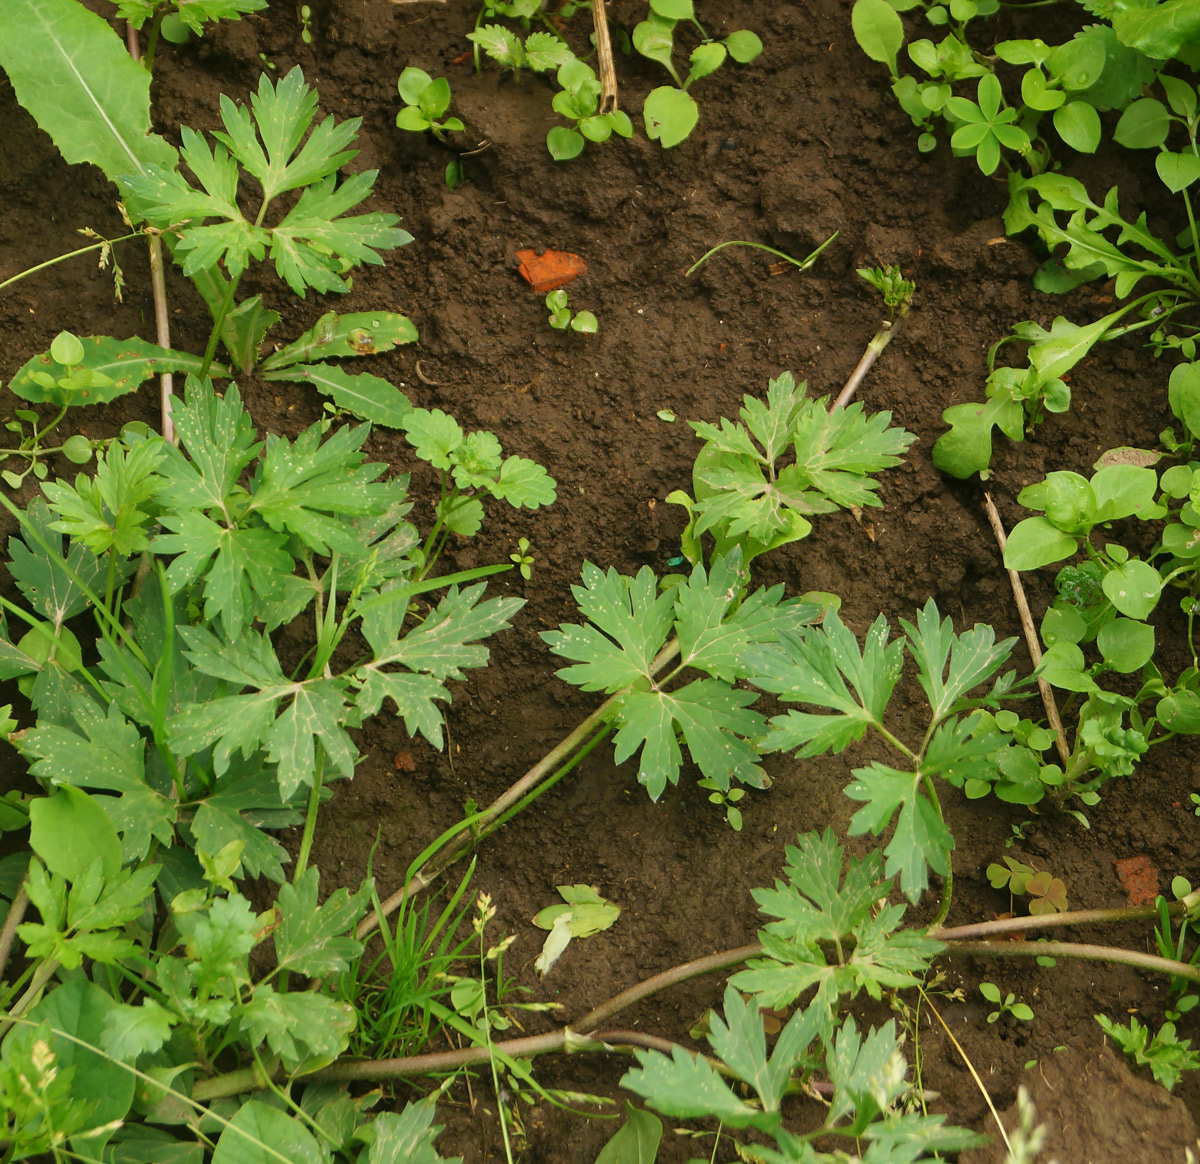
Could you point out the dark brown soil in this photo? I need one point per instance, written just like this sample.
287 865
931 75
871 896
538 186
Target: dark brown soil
801 142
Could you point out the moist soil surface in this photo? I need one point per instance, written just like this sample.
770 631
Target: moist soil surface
804 141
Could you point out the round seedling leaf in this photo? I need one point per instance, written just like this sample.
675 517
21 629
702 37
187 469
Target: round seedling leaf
706 58
670 115
1063 667
596 129
1127 646
653 38
1177 171
673 9
173 29
411 118
1063 624
1077 63
412 83
66 349
1143 126
39 643
1036 94
435 98
1176 482
564 144
743 45
585 322
1078 124
1034 543
77 449
1133 588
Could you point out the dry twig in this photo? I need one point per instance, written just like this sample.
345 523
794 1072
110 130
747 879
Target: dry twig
1031 637
604 59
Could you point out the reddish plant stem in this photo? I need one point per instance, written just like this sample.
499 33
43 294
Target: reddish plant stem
1082 950
16 912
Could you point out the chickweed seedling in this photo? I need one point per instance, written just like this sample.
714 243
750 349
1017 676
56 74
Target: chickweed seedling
1004 1003
561 316
579 101
425 101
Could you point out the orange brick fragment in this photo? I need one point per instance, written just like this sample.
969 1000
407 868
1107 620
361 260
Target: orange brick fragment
1140 878
551 270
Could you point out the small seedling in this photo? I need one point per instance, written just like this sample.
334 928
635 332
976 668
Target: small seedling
425 101
538 52
584 914
579 101
897 291
1173 945
1004 1003
76 382
523 559
562 317
306 24
799 264
1047 893
1018 833
670 112
727 799
1195 799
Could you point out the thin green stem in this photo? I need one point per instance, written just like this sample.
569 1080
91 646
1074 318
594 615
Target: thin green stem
799 264
544 769
37 436
152 40
310 817
214 336
487 1039
42 975
948 880
601 735
161 684
69 255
